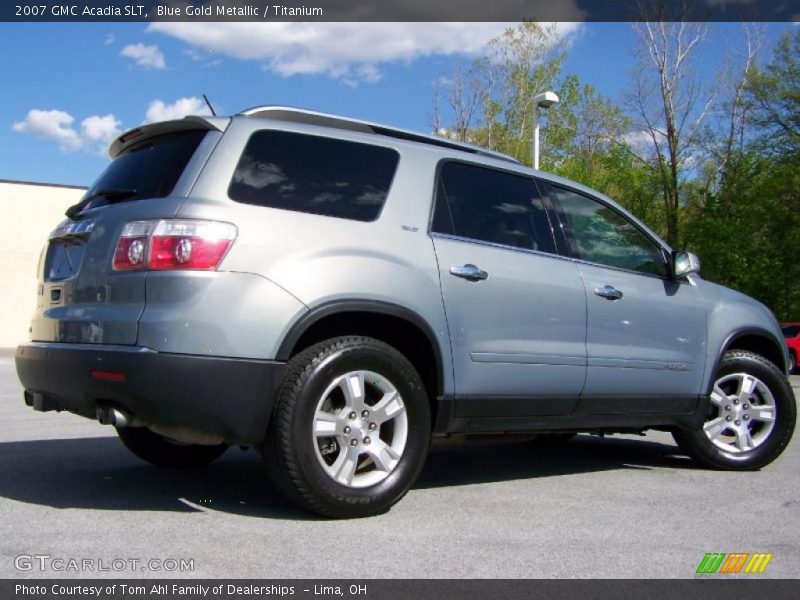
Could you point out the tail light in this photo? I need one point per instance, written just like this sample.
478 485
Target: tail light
131 250
170 244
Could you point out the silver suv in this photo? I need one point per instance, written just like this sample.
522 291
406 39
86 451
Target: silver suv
338 294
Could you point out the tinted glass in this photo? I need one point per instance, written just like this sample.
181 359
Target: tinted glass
491 206
790 331
314 174
604 236
442 220
152 168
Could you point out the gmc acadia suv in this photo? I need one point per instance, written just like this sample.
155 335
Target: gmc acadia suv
338 293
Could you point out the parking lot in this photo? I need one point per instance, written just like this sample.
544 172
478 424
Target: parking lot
618 507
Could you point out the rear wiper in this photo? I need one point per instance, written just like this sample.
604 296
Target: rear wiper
111 195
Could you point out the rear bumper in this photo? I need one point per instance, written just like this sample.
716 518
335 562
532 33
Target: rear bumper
227 397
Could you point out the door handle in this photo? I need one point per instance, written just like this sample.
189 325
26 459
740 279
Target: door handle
469 272
608 291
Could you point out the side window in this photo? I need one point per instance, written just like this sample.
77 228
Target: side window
791 331
491 206
604 236
442 219
313 174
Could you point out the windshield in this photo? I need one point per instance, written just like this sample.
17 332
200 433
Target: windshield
149 169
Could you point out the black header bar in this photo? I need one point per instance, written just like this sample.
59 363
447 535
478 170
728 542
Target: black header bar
400 10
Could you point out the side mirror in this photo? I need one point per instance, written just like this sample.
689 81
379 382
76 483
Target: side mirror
684 263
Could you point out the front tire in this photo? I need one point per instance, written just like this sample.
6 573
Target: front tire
751 416
162 452
350 429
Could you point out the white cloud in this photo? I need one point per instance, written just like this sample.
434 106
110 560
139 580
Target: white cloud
368 72
147 57
195 54
51 125
100 129
640 141
95 131
351 51
204 56
258 175
159 111
109 39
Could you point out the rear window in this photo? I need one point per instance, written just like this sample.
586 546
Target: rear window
313 174
149 169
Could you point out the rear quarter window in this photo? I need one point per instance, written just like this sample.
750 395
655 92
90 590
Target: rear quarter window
314 174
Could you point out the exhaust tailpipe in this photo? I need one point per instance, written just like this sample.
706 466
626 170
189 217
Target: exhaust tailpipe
107 415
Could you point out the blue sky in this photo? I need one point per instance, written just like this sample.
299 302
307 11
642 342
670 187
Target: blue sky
67 88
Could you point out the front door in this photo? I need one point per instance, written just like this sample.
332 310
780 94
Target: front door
646 331
516 312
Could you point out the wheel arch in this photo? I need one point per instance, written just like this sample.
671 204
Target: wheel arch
759 341
393 324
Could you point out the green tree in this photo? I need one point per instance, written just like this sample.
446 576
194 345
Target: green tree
774 92
490 103
746 227
490 100
669 103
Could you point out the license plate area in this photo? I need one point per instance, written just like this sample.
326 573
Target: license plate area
66 250
64 258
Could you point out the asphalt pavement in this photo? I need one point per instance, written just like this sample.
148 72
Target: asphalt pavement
614 507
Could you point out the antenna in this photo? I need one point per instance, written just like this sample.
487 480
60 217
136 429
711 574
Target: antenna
211 108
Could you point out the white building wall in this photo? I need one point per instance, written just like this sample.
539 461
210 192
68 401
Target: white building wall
28 213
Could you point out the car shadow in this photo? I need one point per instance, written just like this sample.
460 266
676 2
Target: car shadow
100 474
486 462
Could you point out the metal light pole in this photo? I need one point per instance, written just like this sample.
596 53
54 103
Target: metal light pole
543 100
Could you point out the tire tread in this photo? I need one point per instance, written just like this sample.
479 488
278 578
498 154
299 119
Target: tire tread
283 466
701 451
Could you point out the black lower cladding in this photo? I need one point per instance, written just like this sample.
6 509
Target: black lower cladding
482 414
229 397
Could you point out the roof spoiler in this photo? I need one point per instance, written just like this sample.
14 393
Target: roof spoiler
138 134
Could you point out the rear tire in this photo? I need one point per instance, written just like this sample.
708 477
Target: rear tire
751 416
350 430
162 452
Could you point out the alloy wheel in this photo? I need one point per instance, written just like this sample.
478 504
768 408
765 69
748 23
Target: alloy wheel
743 414
360 429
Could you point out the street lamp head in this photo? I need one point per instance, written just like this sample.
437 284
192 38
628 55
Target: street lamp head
545 99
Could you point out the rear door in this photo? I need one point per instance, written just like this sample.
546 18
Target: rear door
516 312
646 332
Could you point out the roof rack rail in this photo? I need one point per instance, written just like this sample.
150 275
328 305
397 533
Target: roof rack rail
310 117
